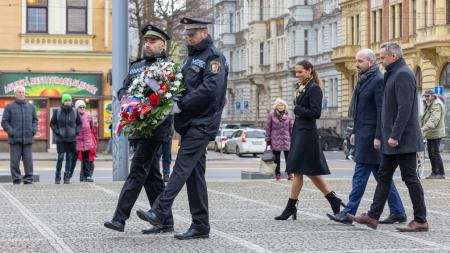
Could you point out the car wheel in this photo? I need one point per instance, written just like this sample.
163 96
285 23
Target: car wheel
238 153
255 155
325 146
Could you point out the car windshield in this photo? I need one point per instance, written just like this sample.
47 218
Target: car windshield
228 133
255 134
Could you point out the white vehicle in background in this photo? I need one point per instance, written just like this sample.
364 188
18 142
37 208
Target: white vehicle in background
221 139
246 141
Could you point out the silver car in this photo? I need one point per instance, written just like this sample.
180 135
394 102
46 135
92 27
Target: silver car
221 139
246 141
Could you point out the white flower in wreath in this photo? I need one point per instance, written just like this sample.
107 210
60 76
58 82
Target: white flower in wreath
173 88
177 83
179 76
168 95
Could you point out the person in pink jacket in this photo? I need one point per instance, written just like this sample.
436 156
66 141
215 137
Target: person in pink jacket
278 133
85 142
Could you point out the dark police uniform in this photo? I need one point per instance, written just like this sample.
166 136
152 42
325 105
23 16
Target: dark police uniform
205 78
145 170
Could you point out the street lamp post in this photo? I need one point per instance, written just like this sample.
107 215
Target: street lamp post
119 71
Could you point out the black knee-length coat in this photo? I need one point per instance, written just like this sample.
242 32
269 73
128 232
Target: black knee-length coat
306 156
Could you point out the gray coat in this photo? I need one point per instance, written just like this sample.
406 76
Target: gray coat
400 115
20 122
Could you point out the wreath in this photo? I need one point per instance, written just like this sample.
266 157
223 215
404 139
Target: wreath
141 114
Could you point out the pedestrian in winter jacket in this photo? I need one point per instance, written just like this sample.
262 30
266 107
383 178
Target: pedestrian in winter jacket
433 129
278 133
85 141
20 122
65 124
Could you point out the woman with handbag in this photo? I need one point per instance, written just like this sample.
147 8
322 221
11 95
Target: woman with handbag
306 156
278 134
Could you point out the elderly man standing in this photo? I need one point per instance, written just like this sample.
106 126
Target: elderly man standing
20 122
365 110
401 139
433 129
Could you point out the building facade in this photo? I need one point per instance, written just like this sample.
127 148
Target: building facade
262 40
422 28
53 47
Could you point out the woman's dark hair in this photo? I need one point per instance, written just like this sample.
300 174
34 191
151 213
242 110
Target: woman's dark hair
308 66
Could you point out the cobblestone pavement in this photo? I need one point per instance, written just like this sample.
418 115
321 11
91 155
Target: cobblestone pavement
69 218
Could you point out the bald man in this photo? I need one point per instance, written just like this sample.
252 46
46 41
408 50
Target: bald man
365 110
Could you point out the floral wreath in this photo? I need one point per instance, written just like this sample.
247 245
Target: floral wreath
140 114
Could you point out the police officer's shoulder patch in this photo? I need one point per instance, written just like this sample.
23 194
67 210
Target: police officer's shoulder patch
215 66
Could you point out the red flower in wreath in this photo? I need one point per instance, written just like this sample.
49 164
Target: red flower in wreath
163 87
146 109
171 76
123 114
155 99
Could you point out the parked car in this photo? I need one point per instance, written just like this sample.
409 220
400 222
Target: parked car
330 139
347 147
246 141
222 137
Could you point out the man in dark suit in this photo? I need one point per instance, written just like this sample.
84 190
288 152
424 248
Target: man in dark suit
197 120
365 110
401 140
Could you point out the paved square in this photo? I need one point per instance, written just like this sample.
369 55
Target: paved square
69 218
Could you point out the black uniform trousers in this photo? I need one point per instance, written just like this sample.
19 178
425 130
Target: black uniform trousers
144 172
408 165
189 169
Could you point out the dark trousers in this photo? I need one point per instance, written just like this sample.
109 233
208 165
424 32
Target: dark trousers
359 183
437 167
166 153
68 166
189 169
278 160
24 152
408 164
144 172
87 168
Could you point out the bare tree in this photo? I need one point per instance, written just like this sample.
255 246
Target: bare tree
165 14
141 13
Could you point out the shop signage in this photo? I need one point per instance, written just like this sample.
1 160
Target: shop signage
52 84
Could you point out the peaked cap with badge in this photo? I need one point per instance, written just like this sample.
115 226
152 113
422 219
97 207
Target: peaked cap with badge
152 31
191 25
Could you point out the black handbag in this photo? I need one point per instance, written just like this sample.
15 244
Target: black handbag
268 155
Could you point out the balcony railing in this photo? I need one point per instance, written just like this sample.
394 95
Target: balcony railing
60 42
344 52
433 34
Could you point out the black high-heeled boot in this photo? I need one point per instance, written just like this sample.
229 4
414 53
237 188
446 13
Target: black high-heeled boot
290 210
335 202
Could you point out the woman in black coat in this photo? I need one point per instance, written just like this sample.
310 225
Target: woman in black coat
305 155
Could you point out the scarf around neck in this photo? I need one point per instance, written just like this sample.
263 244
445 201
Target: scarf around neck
362 78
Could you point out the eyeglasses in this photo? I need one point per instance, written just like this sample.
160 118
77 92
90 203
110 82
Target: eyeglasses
81 107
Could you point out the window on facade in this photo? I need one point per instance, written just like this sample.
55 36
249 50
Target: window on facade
280 27
448 12
357 30
261 53
445 75
352 21
306 2
425 7
414 16
306 42
419 78
400 20
77 16
433 12
37 16
316 32
393 21
231 22
374 26
261 10
230 66
268 31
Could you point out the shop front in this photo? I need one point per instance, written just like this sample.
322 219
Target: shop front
44 91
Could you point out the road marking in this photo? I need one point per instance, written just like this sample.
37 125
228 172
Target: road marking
394 234
57 243
230 237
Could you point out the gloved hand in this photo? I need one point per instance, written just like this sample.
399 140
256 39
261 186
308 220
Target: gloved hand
175 109
268 143
152 83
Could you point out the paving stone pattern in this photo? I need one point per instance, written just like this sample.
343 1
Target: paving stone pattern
69 218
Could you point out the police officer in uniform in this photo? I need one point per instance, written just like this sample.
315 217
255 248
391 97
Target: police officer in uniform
144 169
197 119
